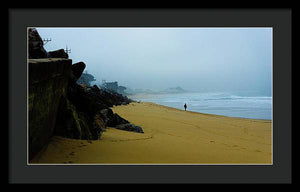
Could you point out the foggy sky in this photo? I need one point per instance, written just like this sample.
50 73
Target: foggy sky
196 59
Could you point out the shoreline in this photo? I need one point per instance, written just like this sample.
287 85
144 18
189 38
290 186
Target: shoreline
212 114
171 136
227 104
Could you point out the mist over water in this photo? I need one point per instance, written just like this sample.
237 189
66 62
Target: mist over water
253 107
226 71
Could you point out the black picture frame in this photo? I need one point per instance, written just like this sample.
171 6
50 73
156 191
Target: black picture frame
279 19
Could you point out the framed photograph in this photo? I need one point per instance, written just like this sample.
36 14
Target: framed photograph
162 95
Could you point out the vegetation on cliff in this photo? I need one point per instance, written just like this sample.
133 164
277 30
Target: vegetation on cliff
86 79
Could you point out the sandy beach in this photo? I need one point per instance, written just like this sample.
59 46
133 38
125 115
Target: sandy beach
171 136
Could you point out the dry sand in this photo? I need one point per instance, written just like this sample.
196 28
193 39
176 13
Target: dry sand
171 136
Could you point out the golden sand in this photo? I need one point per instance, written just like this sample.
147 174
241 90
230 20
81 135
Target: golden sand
171 136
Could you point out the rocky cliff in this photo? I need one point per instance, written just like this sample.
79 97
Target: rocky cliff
57 105
48 81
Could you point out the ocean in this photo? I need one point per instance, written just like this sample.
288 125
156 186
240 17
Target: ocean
227 104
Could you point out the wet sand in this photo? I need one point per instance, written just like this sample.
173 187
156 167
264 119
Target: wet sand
171 136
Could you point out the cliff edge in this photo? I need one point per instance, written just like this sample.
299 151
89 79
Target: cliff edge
47 83
57 105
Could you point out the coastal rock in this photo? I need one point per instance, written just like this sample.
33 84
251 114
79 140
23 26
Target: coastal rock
85 99
71 123
106 114
47 83
94 99
77 69
60 53
112 98
115 120
130 127
75 121
98 126
35 45
112 119
57 105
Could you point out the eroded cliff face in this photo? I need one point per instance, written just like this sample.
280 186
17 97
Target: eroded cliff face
35 45
48 82
50 110
57 105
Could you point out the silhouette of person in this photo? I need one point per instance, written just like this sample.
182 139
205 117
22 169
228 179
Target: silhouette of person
185 106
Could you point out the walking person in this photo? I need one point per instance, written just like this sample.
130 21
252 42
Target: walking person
185 106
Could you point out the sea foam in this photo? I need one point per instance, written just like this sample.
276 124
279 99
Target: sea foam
253 107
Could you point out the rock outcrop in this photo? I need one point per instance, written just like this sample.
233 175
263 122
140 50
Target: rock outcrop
35 45
130 127
77 69
59 106
48 81
60 53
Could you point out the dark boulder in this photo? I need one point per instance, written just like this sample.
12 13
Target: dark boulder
77 69
98 126
60 53
91 104
106 114
130 127
112 119
93 99
79 118
35 45
85 99
115 120
47 83
71 123
112 98
76 124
